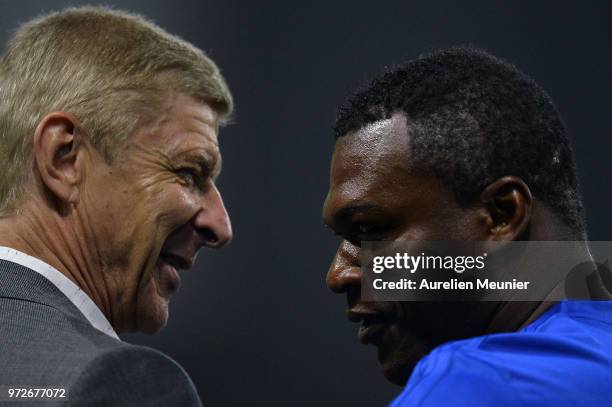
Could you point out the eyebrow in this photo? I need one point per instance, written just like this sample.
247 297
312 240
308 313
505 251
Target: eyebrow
344 214
210 164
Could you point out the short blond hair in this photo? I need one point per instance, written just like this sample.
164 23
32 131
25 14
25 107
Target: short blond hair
109 68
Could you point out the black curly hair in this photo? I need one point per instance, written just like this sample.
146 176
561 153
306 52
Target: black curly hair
472 119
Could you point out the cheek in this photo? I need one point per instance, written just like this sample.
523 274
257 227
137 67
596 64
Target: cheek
112 215
446 224
467 224
152 309
182 204
169 206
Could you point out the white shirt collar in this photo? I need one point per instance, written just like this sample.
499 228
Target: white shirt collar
77 296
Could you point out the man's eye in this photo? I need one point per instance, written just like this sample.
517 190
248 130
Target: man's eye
188 175
367 231
364 229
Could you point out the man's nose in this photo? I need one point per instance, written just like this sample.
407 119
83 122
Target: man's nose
212 222
345 271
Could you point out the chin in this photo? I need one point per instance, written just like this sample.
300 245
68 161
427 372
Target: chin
153 317
397 364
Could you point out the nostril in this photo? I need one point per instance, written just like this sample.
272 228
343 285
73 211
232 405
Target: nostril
209 237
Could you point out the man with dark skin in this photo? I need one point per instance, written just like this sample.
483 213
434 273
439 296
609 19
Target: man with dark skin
459 145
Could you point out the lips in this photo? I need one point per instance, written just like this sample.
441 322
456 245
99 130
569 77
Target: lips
373 324
177 261
169 265
371 332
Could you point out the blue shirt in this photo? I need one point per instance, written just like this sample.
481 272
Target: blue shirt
564 358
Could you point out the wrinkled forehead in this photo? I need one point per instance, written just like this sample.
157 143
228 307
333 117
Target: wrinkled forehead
184 129
370 157
185 115
180 116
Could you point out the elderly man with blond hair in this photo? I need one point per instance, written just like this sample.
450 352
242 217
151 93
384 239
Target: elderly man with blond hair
109 155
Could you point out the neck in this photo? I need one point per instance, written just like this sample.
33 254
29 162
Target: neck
545 226
62 242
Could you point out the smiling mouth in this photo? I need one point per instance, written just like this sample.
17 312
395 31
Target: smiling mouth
179 263
371 331
373 325
169 266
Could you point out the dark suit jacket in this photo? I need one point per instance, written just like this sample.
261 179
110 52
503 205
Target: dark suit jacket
45 341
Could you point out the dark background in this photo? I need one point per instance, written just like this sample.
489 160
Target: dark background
254 324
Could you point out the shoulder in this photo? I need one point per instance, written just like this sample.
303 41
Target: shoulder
525 368
451 375
133 375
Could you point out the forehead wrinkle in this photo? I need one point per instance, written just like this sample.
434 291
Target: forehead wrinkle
187 116
206 138
203 116
206 122
195 124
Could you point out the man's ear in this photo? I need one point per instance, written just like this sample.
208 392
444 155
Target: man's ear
57 144
507 203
